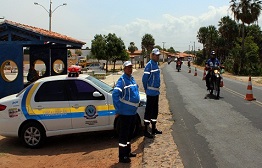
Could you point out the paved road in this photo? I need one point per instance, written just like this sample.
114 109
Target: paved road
222 133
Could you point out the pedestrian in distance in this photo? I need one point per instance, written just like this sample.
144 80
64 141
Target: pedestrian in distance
151 84
189 64
126 100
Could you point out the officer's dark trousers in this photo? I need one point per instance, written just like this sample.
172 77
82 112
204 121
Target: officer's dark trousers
127 126
151 112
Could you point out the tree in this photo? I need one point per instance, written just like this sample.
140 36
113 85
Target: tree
246 11
255 32
250 57
78 52
147 45
132 47
212 37
116 49
228 31
171 50
202 38
99 47
69 54
158 46
109 48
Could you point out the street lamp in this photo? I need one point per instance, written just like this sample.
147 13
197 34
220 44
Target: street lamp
50 12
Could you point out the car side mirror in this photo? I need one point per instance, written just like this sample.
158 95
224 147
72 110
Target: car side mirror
97 94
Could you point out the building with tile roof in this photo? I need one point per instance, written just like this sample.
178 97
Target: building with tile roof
46 46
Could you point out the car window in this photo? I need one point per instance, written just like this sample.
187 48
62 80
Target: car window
81 90
51 91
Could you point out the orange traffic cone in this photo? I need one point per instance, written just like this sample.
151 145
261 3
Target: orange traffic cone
221 82
195 72
189 70
204 75
249 95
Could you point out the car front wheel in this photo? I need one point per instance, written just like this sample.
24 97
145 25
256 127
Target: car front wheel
32 135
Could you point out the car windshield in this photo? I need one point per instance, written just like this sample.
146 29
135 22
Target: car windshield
100 84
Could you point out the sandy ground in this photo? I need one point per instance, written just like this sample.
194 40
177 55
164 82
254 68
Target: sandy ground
89 150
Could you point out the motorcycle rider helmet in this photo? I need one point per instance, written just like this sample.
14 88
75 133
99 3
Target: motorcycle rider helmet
212 54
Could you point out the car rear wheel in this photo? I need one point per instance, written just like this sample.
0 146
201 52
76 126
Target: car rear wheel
32 135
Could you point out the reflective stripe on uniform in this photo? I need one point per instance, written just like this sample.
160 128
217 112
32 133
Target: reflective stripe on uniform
152 88
146 121
129 103
155 70
117 88
129 86
122 145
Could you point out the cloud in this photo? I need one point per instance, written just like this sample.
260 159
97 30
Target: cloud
178 32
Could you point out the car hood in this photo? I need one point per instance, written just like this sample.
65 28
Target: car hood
142 96
13 96
13 99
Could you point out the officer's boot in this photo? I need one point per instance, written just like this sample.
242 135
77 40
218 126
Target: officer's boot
123 155
131 154
146 133
154 130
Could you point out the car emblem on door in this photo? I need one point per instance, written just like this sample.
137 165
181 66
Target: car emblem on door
90 112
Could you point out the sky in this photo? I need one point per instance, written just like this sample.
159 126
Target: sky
172 23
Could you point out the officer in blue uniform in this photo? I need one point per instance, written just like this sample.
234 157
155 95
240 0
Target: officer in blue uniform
126 100
151 84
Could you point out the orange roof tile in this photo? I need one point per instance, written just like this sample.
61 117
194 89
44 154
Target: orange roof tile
43 32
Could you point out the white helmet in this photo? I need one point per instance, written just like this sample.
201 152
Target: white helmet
213 52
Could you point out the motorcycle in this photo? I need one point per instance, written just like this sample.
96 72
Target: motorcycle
178 65
215 81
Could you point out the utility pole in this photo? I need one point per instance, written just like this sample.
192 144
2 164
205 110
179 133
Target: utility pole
194 50
163 51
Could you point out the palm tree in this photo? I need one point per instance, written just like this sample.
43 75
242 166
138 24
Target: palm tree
246 11
147 44
202 38
212 37
132 48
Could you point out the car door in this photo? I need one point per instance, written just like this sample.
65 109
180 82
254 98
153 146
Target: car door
87 110
50 105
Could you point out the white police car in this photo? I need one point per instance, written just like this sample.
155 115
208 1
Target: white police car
58 105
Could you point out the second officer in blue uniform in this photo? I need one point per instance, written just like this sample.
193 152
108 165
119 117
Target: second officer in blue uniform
151 84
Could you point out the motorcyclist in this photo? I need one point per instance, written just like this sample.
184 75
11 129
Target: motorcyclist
210 63
179 62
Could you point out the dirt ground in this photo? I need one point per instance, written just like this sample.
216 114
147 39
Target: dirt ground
87 150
